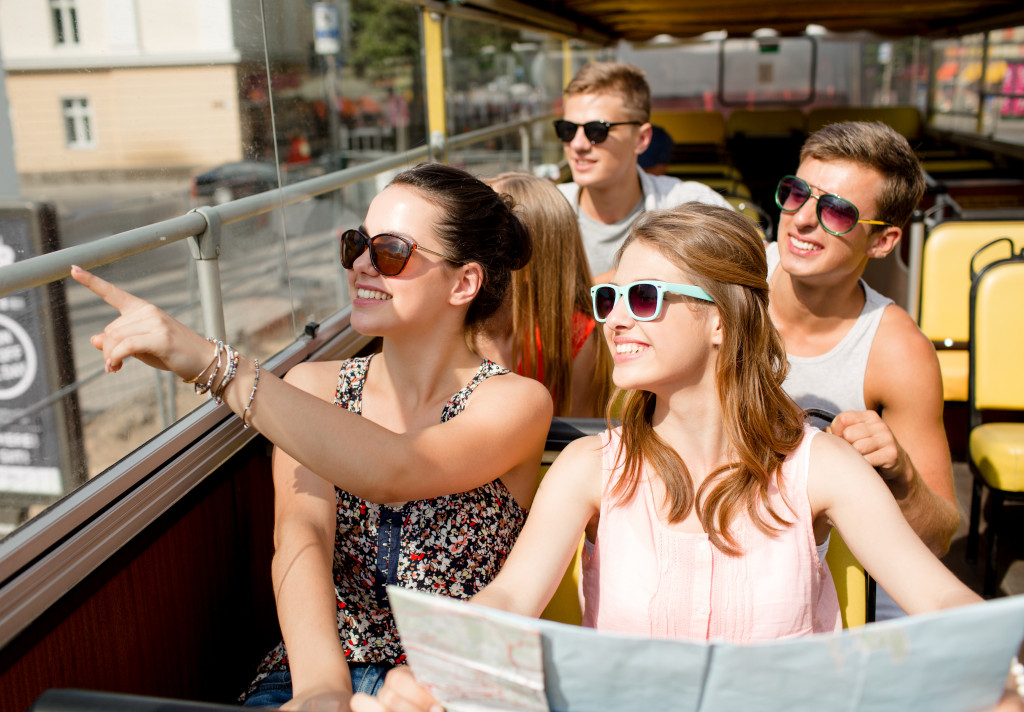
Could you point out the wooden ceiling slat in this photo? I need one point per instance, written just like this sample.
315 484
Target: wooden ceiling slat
639 20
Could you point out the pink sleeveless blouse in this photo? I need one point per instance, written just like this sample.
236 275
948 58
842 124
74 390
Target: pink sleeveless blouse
642 578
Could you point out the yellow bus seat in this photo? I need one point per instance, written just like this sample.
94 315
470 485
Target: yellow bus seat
699 171
945 290
940 166
851 582
753 211
996 449
727 186
692 126
765 122
564 606
905 120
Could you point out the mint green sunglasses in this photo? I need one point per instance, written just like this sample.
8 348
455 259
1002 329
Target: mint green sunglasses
643 299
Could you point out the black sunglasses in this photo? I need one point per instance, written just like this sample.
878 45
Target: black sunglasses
836 215
389 254
595 131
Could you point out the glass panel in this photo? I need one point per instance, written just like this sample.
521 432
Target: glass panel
957 70
767 71
256 106
1004 84
775 72
496 75
339 107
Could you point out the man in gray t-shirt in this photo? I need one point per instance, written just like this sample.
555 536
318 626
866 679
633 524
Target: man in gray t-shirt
605 127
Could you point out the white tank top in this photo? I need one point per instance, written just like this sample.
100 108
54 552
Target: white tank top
834 381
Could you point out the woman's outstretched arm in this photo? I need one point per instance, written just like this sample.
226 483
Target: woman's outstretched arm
349 451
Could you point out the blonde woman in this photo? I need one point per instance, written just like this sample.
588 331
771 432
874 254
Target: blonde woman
545 329
706 512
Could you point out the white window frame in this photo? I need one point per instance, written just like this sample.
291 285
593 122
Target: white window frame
83 121
65 23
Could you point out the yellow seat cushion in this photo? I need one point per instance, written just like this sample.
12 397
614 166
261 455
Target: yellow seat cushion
997 450
564 606
850 581
954 366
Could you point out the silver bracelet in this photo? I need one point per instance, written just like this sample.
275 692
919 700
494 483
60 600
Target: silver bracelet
218 391
1017 670
201 388
252 395
200 374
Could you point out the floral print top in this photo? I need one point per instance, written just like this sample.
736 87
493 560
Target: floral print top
452 545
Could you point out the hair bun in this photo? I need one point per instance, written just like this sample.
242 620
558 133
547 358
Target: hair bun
520 246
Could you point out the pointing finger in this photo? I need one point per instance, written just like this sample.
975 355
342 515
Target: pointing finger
112 295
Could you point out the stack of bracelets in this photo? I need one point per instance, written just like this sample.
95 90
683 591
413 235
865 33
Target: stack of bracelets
215 383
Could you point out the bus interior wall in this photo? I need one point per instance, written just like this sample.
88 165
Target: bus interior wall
187 611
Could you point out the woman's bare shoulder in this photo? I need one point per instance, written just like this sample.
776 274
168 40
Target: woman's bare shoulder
319 378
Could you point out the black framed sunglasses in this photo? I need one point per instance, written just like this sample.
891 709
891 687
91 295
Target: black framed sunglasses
595 131
389 254
643 299
836 215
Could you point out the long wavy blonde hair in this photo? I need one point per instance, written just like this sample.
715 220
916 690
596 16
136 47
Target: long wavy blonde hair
553 286
722 252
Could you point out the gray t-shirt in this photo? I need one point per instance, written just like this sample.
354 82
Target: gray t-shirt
604 240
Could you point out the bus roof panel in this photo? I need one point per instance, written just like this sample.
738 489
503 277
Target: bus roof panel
642 20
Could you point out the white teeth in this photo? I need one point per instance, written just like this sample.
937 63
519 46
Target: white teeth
630 348
801 245
371 294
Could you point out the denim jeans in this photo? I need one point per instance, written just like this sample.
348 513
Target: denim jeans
276 688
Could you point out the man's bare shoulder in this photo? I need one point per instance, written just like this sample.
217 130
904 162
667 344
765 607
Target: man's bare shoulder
902 358
897 330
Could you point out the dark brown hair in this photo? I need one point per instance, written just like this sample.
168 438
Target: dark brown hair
477 225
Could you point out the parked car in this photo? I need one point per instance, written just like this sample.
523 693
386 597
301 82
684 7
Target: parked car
231 181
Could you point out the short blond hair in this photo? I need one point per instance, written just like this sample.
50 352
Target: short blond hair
619 78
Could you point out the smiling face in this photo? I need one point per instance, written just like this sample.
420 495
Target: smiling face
609 163
381 304
807 251
676 350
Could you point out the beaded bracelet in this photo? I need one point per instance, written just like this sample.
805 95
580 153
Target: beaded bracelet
200 374
252 395
232 359
201 388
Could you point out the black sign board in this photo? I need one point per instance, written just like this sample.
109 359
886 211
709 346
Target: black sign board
41 453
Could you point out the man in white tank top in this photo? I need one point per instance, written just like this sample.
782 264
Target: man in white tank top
851 350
